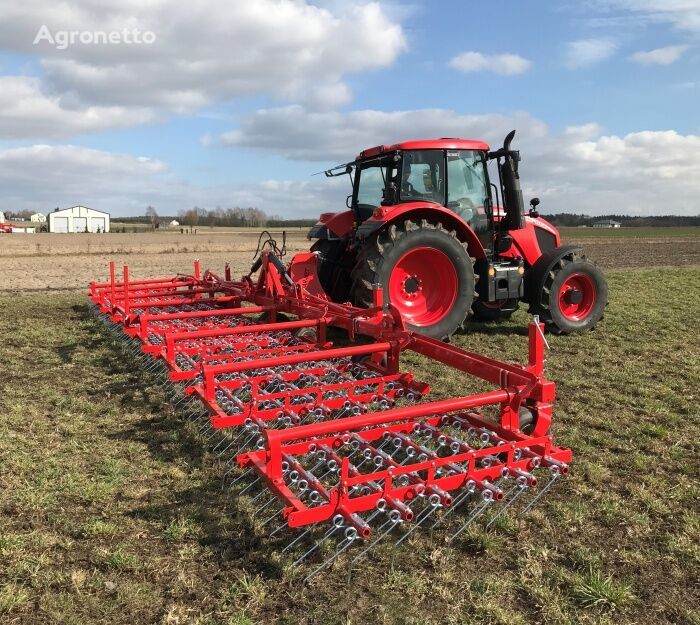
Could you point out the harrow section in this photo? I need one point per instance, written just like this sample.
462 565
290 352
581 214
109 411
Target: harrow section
334 435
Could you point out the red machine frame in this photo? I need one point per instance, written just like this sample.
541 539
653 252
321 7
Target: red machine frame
226 339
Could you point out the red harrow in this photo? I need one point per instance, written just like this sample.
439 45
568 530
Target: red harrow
337 435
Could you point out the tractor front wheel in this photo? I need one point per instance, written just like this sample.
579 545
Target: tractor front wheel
573 297
425 272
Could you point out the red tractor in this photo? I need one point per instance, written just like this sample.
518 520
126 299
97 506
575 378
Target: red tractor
425 222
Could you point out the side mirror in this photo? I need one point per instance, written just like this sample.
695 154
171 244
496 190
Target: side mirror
348 201
534 203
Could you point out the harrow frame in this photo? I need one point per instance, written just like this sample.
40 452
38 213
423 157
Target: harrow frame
300 402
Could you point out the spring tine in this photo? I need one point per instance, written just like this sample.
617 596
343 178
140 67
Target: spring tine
393 524
455 504
296 540
326 563
274 516
419 521
318 543
247 488
266 504
521 489
278 529
264 491
543 490
475 515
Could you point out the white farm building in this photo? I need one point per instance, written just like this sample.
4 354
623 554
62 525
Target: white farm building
78 219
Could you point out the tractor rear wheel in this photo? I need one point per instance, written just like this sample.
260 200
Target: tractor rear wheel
425 272
573 297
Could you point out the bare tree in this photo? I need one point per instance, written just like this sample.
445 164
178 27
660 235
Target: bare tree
152 215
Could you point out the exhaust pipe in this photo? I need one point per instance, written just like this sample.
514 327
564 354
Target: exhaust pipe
512 194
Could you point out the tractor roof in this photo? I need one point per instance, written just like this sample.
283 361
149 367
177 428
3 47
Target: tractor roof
446 143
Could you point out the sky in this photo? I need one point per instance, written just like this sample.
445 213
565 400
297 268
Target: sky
122 104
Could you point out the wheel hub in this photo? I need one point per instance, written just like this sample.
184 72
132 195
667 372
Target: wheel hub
423 286
577 297
411 287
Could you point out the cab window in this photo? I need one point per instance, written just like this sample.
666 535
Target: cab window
467 187
423 176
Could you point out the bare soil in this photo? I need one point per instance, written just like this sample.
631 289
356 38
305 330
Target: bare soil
70 261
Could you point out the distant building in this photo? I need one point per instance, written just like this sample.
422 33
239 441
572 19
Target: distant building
606 223
2 217
38 218
78 219
174 223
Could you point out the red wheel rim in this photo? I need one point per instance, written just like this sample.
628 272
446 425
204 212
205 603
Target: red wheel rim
577 297
423 286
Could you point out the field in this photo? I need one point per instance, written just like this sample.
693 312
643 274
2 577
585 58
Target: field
112 510
69 261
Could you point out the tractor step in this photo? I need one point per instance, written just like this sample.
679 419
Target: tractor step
336 435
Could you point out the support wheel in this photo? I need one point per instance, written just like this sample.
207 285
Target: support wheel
426 273
573 297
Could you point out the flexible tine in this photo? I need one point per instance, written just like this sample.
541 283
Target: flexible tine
392 525
455 504
543 490
419 521
328 561
296 540
247 488
521 488
318 543
475 515
272 517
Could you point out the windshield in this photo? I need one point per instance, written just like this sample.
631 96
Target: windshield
468 187
423 176
370 190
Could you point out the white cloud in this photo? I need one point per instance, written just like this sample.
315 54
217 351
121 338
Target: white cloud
296 133
218 50
586 52
25 111
45 176
683 15
581 169
659 56
504 64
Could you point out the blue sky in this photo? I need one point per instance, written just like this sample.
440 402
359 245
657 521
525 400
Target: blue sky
238 103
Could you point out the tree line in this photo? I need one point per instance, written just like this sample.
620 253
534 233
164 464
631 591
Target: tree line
572 220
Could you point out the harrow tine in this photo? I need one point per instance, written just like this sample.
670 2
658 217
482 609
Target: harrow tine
474 516
265 505
521 488
296 540
247 488
392 522
277 530
555 476
350 537
455 505
337 524
420 519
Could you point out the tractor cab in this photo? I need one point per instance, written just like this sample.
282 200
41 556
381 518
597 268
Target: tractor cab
456 179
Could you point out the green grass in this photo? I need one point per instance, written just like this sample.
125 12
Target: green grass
112 511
